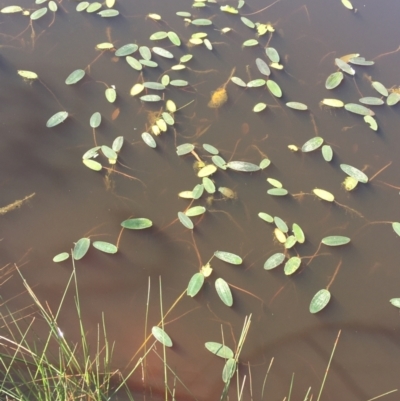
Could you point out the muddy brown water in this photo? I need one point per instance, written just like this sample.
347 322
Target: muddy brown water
72 201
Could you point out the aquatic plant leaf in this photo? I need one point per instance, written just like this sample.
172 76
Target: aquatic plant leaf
281 224
111 95
259 107
208 44
137 223
279 235
105 247
275 183
174 38
159 35
229 370
186 194
393 99
298 233
327 153
184 149
250 42
312 144
228 257
186 58
197 192
355 173
195 284
371 122
264 163
210 149
196 41
161 336
219 162
395 302
165 79
292 265
75 77
195 211
81 248
372 101
396 228
92 164
170 106
208 185
277 66
243 166
56 119
27 74
154 85
238 81
358 109
274 88
38 13
380 88
290 242
223 291
179 82
185 220
344 66
332 102
183 14
156 17
150 98
297 105
117 143
108 13
240 4
319 301
149 140
263 67
348 5
274 261
93 7
61 257
201 22
145 52
207 170
272 54
134 63
168 118
248 22
334 80
360 61
162 52
11 9
277 192
324 195
83 5
95 120
266 217
335 240
136 89
148 63
109 153
229 9
256 83
126 50
219 350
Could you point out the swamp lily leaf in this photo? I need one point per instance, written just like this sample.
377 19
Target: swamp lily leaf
229 370
195 210
38 13
274 88
355 173
228 257
75 77
238 81
219 349
159 35
197 192
111 95
150 98
358 109
184 149
179 82
149 140
371 100
380 88
297 105
272 54
344 66
327 153
117 143
335 240
325 195
136 89
275 183
292 265
279 235
195 284
266 217
248 22
334 80
264 163
219 162
312 144
93 7
162 52
242 166
210 149
223 291
396 228
81 248
319 301
95 120
109 153
105 247
209 186
154 85
290 242
137 224
256 83
161 336
92 164
126 50
135 64
395 302
56 119
207 170
61 257
174 38
263 67
274 261
281 224
185 220
360 61
298 233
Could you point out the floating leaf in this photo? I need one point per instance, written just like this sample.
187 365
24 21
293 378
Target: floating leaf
327 153
256 83
162 52
208 185
371 122
117 143
105 247
248 22
159 35
184 14
229 9
281 224
207 170
150 98
333 102
161 336
148 63
184 149
360 61
93 7
348 5
312 144
168 118
135 64
335 240
344 66
275 183
223 291
154 85
358 109
274 261
219 162
396 228
109 153
380 88
82 6
266 217
195 210
61 257
238 81
272 54
201 22
137 224
56 119
92 164
75 77
259 107
320 300
197 192
264 163
11 9
228 257
242 166
186 58
111 94
81 248
297 105
28 74
290 242
334 80
298 233
372 101
185 220
263 67
277 191
355 173
274 88
126 50
250 42
279 235
145 52
395 302
174 38
292 265
219 350
136 89
195 284
108 13
393 99
38 13
95 120
325 195
149 140
179 82
210 149
229 370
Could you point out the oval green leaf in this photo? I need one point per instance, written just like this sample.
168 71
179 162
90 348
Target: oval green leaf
56 119
355 173
292 265
92 164
395 302
266 217
320 300
149 140
380 88
358 109
334 80
228 257
243 166
105 247
324 195
201 22
297 105
38 13
161 336
274 88
185 220
277 192
111 95
263 67
298 233
312 144
61 257
95 120
335 240
229 370
75 77
195 284
81 248
207 170
150 98
219 350
327 153
195 210
223 291
137 224
238 81
274 261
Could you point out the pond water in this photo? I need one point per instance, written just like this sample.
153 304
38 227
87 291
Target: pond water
71 201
